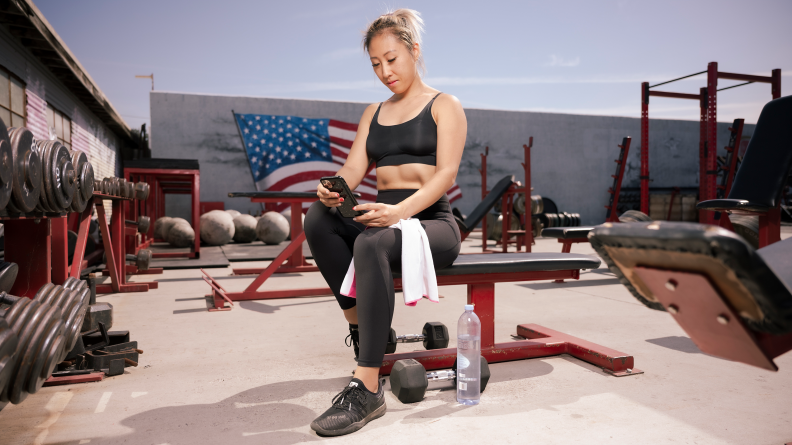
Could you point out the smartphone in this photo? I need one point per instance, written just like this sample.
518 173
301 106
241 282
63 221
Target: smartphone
338 184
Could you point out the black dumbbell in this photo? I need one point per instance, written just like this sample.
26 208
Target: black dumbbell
409 379
433 336
142 259
143 223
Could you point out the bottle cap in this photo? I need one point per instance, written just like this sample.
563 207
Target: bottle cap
469 307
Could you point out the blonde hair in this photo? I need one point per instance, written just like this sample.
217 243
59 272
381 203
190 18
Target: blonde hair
405 24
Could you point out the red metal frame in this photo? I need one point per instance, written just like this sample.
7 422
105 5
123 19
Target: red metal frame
710 321
295 260
540 341
708 98
161 182
622 163
116 232
524 237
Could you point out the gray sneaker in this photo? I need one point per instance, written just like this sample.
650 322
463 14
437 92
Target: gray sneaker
352 409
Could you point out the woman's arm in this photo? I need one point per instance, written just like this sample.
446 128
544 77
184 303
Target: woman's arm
357 162
451 134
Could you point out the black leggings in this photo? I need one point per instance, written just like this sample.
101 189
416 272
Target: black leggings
334 240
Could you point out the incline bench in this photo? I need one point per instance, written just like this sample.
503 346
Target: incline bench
480 272
733 301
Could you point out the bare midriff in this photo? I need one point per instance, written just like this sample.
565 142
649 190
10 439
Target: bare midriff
406 176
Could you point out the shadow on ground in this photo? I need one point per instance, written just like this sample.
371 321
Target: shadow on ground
270 413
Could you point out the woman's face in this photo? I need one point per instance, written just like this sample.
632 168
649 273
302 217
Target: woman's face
393 63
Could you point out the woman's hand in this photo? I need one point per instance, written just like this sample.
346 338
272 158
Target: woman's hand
328 198
380 215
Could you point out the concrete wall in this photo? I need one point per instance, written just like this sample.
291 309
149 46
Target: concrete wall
572 158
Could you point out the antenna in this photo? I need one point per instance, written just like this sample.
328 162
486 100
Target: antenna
151 76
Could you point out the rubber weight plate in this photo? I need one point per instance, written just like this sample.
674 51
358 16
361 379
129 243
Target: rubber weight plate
6 166
46 199
26 175
61 179
84 182
49 349
8 274
8 347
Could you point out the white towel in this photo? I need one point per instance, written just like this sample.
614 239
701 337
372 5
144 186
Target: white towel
418 274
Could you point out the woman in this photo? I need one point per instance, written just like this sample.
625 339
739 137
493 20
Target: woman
416 138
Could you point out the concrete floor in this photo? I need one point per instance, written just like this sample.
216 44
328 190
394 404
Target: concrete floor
263 371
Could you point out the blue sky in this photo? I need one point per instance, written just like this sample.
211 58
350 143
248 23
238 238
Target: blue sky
582 57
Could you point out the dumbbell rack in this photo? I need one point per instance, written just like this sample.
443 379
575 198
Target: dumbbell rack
185 181
524 237
114 239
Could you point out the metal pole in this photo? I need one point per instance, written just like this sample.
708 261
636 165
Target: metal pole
712 136
644 148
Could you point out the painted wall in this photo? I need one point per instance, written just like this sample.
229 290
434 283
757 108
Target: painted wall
89 134
572 158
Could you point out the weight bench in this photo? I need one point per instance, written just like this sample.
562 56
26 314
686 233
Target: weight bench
568 236
480 272
733 301
467 225
763 175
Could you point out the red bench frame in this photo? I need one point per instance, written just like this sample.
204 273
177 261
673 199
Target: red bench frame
540 341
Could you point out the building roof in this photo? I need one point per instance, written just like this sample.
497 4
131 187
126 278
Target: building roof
27 23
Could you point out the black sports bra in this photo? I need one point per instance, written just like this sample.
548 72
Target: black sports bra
411 142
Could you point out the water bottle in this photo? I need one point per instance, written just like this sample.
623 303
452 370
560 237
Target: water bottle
468 357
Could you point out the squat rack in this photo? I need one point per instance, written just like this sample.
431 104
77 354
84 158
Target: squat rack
708 128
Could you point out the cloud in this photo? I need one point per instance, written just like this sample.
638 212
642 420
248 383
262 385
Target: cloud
560 61
341 54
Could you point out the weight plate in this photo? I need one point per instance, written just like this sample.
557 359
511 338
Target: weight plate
143 259
49 296
48 350
28 327
26 176
43 290
87 177
47 199
144 223
61 297
8 347
61 181
73 316
140 193
6 168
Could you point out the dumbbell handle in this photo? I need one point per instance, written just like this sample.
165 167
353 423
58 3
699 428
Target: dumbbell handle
436 376
410 338
6 298
130 257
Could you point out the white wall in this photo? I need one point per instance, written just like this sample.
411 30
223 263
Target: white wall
572 158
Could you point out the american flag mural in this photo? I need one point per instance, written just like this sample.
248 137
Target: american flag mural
291 153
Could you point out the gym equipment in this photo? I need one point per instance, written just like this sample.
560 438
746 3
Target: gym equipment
760 182
217 228
434 336
27 181
8 274
160 177
272 228
160 225
409 379
707 98
72 299
615 189
245 229
180 234
482 210
143 223
168 224
287 214
8 346
506 197
6 169
233 213
291 259
734 302
98 313
634 216
142 260
39 328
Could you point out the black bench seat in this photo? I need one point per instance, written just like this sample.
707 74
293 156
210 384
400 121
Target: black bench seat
482 263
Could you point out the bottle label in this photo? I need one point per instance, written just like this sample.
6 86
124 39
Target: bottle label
462 386
462 362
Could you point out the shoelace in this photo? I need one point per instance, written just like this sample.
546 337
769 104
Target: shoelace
349 393
350 339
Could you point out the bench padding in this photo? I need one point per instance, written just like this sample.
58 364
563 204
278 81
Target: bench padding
757 284
566 232
517 262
